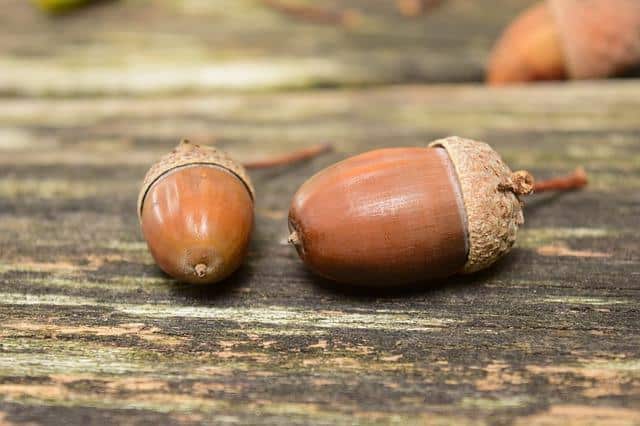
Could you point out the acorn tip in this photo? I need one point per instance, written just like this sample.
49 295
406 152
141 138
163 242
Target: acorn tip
201 270
294 239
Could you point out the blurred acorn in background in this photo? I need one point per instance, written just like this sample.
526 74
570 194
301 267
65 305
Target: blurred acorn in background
574 39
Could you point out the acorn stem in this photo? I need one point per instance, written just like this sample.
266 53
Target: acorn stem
520 183
294 239
290 158
575 180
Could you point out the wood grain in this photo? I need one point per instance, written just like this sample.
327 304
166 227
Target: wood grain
128 47
92 332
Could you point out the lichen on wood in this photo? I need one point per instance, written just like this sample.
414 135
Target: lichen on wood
91 330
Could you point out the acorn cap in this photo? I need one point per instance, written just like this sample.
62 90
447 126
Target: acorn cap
490 193
600 38
188 154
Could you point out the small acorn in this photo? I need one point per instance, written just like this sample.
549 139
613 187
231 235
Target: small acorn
196 213
401 215
576 39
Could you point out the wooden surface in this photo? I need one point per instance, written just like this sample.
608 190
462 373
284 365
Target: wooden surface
196 45
91 332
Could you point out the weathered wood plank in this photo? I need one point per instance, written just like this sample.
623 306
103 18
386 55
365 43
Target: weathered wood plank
91 331
130 46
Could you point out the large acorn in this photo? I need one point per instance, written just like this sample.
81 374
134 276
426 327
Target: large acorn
402 215
576 39
196 213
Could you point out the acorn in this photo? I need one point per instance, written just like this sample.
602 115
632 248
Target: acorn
575 39
403 215
196 212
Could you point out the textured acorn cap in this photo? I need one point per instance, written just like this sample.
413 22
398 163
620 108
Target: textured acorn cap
188 154
600 38
490 193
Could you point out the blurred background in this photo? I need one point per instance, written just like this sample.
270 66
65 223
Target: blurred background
138 47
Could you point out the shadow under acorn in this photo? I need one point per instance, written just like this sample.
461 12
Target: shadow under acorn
210 292
228 288
379 290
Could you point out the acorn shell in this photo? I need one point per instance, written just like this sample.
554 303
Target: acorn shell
490 193
385 217
601 38
529 49
188 154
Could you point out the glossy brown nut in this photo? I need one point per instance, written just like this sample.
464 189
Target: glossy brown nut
390 216
197 222
196 212
403 215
